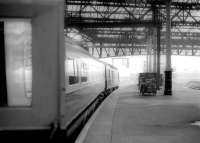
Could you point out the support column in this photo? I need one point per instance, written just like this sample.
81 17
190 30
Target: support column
158 57
147 62
101 48
156 19
168 71
154 50
147 48
93 51
150 61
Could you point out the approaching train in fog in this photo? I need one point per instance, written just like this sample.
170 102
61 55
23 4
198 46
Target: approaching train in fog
50 85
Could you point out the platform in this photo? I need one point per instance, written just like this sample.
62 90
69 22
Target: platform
126 117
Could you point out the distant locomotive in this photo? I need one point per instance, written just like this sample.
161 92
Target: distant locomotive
50 86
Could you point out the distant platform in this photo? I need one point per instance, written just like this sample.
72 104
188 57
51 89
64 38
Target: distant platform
194 85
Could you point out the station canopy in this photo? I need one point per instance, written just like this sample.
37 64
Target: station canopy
109 28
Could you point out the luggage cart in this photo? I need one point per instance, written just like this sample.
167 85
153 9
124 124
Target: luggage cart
147 84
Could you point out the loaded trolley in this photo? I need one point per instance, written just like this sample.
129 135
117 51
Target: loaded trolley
147 84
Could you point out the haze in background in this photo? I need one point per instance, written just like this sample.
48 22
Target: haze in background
185 68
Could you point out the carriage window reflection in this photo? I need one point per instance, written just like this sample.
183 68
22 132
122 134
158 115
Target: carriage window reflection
72 71
18 61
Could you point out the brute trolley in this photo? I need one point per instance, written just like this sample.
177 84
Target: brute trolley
147 84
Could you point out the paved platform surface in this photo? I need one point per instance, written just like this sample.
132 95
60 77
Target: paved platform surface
126 117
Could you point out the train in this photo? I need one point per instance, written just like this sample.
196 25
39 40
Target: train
50 84
89 82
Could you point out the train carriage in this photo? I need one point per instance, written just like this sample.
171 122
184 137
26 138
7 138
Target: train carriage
112 77
50 85
31 41
85 80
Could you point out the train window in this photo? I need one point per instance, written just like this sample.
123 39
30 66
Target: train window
84 72
112 76
16 62
72 71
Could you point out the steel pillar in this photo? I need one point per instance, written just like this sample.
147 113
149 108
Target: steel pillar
149 51
154 19
147 63
93 51
158 57
154 50
101 48
168 71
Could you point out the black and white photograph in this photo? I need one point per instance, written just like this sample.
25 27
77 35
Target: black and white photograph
100 71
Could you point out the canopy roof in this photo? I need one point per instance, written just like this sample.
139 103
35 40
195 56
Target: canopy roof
123 27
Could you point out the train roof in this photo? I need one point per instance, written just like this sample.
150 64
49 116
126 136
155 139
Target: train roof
76 47
112 66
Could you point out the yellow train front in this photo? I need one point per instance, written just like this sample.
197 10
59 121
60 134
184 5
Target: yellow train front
50 86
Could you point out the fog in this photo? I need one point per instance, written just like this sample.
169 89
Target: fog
185 68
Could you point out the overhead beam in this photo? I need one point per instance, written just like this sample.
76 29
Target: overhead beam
136 3
102 23
113 52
